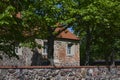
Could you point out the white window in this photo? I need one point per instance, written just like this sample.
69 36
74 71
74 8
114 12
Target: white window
18 50
70 49
45 48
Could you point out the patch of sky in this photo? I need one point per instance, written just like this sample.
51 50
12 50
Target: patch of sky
71 30
59 5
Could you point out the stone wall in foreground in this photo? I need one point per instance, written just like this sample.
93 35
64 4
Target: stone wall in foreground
59 73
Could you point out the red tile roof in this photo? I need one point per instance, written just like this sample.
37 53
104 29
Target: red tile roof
66 34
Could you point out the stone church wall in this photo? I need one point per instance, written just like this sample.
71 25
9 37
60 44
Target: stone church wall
61 56
24 59
36 58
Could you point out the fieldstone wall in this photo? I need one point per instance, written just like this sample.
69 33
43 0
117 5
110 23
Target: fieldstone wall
60 73
24 59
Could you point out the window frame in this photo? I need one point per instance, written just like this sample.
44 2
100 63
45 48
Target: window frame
44 50
70 51
18 49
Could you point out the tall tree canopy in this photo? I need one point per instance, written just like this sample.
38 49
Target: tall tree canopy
98 25
22 21
95 21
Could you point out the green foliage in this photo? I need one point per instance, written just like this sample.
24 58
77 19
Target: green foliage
96 20
102 17
22 21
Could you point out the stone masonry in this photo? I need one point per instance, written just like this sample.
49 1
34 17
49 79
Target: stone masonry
24 59
61 73
61 58
60 52
36 58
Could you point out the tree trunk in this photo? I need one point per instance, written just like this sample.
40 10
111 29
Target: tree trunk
50 43
88 43
107 59
51 50
112 57
51 39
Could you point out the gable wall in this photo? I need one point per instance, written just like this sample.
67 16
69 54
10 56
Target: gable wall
60 54
62 58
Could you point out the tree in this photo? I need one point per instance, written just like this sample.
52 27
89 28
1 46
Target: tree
14 28
36 19
54 12
98 20
93 21
108 29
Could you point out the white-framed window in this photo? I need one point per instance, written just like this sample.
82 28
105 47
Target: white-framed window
70 49
45 48
18 50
